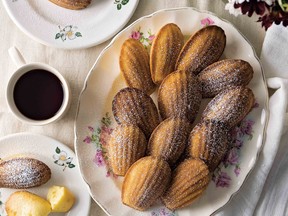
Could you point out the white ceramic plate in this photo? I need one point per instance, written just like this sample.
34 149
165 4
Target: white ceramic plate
60 159
55 26
94 121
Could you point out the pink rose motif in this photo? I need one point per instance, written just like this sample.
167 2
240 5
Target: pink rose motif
105 135
99 160
91 128
87 139
135 35
232 157
238 143
237 170
247 127
207 21
151 37
223 180
109 173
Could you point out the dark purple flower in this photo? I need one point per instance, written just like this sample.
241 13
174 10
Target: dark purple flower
252 6
237 170
223 180
87 139
275 15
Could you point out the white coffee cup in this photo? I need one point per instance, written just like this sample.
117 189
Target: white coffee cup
24 68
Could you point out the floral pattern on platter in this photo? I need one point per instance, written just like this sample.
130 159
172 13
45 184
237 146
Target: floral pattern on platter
69 31
145 39
61 158
207 21
120 3
242 132
163 212
99 137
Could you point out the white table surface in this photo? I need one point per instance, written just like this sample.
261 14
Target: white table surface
75 64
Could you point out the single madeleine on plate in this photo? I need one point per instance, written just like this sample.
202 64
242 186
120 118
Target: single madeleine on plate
179 95
164 52
134 66
169 139
209 141
223 74
189 180
72 4
23 173
134 106
146 180
230 106
202 49
126 145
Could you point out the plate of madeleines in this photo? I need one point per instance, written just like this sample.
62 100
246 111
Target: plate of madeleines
40 176
70 24
172 116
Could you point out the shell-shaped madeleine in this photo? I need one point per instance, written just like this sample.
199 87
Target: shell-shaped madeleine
208 141
134 65
146 180
189 181
23 172
202 49
164 52
230 106
223 74
127 144
169 139
179 95
134 106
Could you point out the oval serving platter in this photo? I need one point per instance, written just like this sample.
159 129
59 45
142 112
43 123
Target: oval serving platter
94 120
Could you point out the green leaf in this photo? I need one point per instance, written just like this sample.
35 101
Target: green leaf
57 150
71 165
117 1
78 34
119 6
124 2
58 35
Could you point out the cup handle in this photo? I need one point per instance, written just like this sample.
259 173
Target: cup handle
16 56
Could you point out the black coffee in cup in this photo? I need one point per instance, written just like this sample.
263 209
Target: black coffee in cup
38 94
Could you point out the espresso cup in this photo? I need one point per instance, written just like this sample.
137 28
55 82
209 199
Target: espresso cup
36 93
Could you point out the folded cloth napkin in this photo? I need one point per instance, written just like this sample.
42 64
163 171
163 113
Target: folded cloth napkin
265 191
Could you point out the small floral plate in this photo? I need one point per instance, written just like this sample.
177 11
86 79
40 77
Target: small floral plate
95 122
60 159
58 27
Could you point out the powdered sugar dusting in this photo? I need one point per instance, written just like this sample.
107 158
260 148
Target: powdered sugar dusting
224 74
23 173
179 96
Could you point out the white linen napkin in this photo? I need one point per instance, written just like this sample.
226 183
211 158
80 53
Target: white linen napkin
265 191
